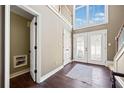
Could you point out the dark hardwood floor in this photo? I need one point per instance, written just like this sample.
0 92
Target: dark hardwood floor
100 78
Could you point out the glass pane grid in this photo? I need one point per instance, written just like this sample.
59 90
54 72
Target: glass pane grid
96 46
80 47
96 13
89 15
81 16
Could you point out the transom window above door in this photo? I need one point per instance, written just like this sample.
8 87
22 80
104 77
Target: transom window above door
89 15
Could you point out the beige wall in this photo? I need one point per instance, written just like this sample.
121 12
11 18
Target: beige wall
116 18
1 46
19 40
52 43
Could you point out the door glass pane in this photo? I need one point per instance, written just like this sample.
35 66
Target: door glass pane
95 47
80 47
96 13
80 16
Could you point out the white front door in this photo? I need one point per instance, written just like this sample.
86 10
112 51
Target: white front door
97 47
91 47
32 49
67 46
80 47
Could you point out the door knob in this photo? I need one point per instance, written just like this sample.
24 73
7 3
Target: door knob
86 49
67 49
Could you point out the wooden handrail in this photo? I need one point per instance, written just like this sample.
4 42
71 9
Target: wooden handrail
118 74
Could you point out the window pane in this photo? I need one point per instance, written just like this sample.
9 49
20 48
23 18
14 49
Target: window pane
96 44
80 16
96 13
80 47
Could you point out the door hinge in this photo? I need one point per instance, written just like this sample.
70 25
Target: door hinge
35 47
35 71
35 23
29 51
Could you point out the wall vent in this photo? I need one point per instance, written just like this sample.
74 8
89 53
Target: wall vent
20 60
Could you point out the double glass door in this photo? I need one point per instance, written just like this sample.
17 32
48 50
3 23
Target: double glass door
90 47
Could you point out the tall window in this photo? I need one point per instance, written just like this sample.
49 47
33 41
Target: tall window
89 15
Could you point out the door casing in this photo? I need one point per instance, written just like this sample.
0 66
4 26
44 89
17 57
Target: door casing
7 42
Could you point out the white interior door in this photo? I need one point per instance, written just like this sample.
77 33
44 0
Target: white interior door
32 49
67 46
80 47
97 47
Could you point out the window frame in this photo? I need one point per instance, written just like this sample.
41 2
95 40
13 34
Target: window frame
89 24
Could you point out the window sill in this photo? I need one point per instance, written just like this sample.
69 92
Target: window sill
89 26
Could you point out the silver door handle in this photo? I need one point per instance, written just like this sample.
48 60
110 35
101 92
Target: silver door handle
67 49
86 49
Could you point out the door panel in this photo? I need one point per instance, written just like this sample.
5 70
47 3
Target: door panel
97 47
67 46
80 47
32 45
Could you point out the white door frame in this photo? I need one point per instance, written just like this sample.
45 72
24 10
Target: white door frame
7 42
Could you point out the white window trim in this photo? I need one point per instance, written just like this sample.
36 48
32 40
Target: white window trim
90 25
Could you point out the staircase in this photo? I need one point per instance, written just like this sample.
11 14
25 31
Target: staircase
118 67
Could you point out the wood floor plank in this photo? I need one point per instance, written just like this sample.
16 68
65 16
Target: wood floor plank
60 80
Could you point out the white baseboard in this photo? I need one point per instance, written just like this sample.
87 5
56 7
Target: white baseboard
50 73
110 65
109 62
67 63
19 73
76 60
